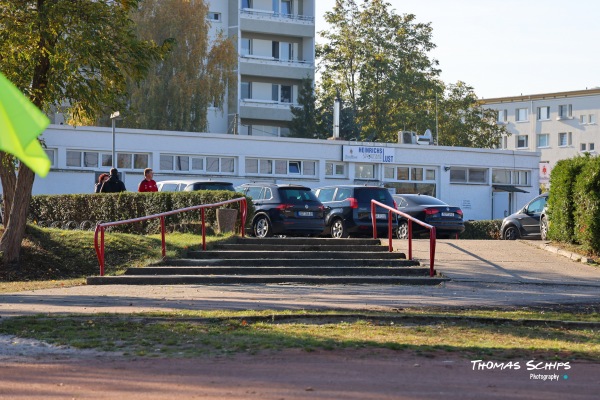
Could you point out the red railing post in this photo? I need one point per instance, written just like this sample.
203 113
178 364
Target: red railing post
432 235
244 207
410 239
203 230
390 248
374 220
162 235
102 251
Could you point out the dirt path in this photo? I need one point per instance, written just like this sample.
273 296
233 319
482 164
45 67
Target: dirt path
290 374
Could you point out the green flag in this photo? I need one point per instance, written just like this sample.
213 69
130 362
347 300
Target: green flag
21 123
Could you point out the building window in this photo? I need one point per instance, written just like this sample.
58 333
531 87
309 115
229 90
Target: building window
364 171
251 165
565 139
502 116
246 48
91 159
543 140
74 158
501 176
521 114
522 141
51 153
287 7
507 176
565 111
468 175
543 113
591 147
505 142
582 147
246 3
592 119
214 16
335 169
246 92
281 167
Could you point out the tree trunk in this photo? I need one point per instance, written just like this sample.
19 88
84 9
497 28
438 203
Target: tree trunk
9 183
10 244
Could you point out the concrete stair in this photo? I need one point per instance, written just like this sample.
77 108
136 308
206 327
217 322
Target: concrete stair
285 261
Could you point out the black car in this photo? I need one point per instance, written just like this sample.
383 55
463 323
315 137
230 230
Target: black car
447 219
283 210
349 210
526 221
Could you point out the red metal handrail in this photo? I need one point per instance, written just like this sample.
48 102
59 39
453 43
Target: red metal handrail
375 203
100 228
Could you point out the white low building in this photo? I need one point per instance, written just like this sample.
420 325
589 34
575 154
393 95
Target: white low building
485 183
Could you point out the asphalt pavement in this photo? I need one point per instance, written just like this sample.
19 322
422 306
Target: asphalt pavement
482 273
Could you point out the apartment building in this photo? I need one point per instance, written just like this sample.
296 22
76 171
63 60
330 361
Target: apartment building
276 50
558 125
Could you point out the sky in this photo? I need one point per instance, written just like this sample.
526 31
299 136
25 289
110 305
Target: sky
508 47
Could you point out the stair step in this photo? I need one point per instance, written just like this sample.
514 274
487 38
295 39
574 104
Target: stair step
255 254
260 279
277 262
286 271
300 247
307 241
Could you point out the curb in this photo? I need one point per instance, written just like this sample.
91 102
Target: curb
565 253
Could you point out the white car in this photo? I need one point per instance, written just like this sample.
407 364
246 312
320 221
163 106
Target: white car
188 185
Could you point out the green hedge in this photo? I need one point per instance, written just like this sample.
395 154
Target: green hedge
586 199
484 229
108 207
560 202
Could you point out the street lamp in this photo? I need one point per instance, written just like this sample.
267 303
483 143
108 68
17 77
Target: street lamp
114 116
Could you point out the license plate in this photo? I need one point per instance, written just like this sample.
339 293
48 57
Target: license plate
305 213
380 216
447 214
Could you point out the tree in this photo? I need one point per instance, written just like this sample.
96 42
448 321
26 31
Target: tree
304 117
76 54
178 91
464 122
378 61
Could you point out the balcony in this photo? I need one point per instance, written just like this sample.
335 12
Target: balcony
256 65
253 20
259 109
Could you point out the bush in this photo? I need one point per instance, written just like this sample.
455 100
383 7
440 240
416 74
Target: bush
560 201
586 200
484 229
108 207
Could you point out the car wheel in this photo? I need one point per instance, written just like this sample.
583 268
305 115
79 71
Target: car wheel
511 233
338 229
402 230
262 227
544 228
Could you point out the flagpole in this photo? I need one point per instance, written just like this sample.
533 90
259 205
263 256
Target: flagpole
114 116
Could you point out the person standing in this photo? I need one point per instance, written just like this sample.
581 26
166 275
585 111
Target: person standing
148 184
101 179
113 184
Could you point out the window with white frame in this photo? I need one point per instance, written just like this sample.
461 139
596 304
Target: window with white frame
565 111
334 169
565 139
409 173
521 114
505 142
592 119
502 116
364 171
468 175
591 147
198 164
511 177
94 159
582 147
214 16
543 113
583 119
282 93
246 90
543 140
262 166
522 141
51 153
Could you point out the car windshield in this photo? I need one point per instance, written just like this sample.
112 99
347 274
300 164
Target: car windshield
425 201
297 195
382 195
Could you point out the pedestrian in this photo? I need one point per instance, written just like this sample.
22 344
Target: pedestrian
148 184
113 184
101 179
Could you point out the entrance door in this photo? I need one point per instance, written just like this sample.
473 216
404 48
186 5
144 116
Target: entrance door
501 201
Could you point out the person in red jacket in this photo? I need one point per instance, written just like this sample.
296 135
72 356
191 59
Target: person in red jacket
148 184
